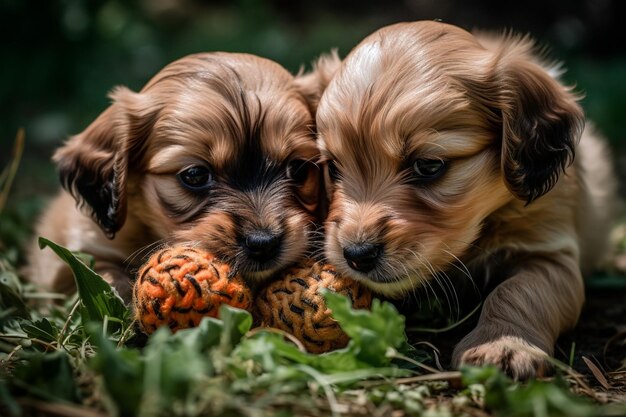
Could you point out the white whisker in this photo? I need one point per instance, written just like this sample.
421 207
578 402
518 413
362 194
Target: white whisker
149 248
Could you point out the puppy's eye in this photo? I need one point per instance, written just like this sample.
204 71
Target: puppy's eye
298 170
333 172
196 178
429 169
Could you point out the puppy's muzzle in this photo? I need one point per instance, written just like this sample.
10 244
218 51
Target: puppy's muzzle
363 257
262 246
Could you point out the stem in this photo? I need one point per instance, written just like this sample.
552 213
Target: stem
283 333
328 390
125 333
13 352
67 322
9 174
398 355
105 326
447 328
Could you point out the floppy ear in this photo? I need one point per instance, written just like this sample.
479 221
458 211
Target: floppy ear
93 165
312 84
308 191
541 125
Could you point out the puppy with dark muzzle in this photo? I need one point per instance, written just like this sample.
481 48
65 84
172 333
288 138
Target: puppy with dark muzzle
218 150
451 154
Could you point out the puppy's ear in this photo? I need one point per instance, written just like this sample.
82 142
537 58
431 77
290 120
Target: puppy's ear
541 124
312 84
93 165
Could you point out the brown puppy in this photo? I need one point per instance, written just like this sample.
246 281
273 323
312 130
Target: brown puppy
217 150
450 152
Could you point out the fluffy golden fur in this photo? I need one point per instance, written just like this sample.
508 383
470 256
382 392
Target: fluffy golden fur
243 120
509 205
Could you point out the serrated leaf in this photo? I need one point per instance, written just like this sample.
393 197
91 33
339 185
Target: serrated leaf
98 299
380 329
284 364
41 329
372 333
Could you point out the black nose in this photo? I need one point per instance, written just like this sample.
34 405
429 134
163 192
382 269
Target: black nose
362 257
261 245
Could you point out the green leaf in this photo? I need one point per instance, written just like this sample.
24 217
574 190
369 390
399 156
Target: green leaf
203 337
48 376
10 297
42 329
98 299
8 402
536 398
237 323
165 373
122 371
172 369
495 382
270 350
372 333
284 366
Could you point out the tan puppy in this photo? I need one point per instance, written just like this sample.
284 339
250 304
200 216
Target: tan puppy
217 150
448 151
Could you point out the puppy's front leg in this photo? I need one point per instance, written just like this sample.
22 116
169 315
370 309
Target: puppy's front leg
522 318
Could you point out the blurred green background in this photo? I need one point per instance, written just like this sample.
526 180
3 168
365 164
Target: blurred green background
60 58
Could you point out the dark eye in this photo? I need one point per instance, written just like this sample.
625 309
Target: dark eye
428 169
196 178
298 170
333 172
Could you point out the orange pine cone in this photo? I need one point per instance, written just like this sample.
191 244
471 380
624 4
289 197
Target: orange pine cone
293 304
179 286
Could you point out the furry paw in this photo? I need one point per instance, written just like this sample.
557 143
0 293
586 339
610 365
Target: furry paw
515 356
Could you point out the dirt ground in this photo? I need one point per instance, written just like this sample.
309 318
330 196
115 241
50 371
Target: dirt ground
595 348
600 337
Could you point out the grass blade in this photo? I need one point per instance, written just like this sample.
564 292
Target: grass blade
8 175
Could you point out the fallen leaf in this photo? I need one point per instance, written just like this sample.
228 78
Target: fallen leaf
597 373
